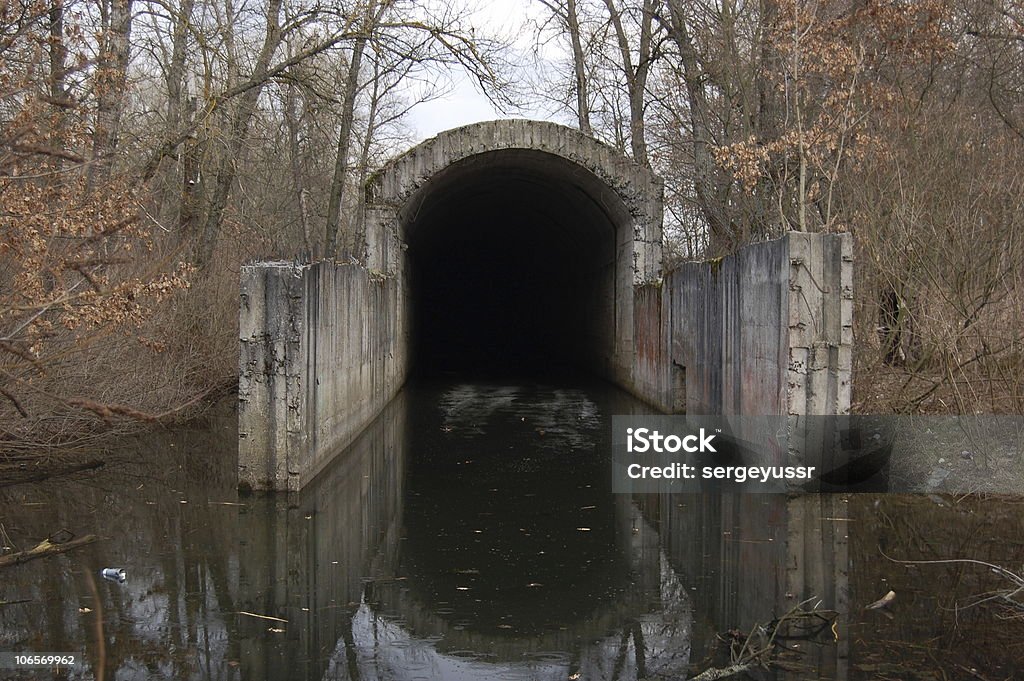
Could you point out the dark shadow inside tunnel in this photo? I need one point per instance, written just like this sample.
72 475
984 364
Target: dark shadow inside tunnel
514 260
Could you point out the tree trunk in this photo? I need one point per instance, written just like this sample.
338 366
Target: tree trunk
636 77
364 160
237 132
638 91
572 22
176 69
711 190
58 76
336 199
111 84
767 123
295 158
182 208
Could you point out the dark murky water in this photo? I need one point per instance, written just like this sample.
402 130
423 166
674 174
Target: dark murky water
471 533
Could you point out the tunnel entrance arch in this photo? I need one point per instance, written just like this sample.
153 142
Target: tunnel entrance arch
531 230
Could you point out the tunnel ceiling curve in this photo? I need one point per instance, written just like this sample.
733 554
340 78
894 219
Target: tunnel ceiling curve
394 191
576 208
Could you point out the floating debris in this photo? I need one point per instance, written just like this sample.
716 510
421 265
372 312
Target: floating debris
883 602
262 617
114 574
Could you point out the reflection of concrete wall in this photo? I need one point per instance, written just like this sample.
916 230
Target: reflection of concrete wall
305 556
750 558
323 349
655 646
818 565
767 331
729 548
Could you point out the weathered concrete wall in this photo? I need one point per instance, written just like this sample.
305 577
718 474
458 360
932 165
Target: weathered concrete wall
748 558
314 548
323 349
767 331
652 374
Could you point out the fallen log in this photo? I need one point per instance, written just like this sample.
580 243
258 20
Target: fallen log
716 673
43 549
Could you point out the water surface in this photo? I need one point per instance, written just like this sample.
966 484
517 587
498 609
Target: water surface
471 533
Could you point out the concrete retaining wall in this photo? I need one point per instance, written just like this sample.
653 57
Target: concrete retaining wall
767 331
323 349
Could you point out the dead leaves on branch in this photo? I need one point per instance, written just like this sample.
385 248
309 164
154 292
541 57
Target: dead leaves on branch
79 270
70 281
76 264
828 75
77 261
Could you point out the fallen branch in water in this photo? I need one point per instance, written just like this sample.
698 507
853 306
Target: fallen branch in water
262 617
43 549
761 646
715 673
1004 595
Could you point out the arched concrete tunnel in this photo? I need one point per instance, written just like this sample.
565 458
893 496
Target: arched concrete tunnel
500 248
512 244
512 263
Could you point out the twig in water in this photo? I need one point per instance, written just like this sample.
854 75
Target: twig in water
760 646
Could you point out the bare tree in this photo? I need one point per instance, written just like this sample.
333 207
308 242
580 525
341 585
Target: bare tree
371 16
111 84
635 71
566 14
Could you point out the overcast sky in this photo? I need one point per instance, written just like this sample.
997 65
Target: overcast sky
465 103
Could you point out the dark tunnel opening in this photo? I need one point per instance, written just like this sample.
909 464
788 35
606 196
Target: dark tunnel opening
513 266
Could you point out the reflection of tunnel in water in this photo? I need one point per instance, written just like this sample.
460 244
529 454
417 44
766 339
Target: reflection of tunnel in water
514 264
513 550
509 519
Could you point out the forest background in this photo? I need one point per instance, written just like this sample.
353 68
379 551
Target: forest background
148 148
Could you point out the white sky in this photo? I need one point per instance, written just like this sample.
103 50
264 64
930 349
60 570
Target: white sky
465 104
